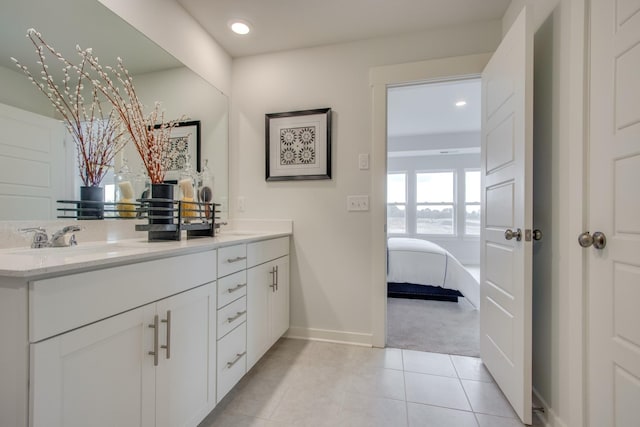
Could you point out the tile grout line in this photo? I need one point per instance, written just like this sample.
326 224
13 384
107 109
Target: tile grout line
464 390
404 384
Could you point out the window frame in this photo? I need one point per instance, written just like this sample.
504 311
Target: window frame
417 205
405 204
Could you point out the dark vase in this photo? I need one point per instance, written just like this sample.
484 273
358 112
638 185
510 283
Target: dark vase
91 204
161 211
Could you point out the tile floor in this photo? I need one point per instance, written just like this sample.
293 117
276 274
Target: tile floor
306 383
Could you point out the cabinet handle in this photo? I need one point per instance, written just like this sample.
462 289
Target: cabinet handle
238 314
273 285
277 278
238 286
155 351
234 361
168 322
236 259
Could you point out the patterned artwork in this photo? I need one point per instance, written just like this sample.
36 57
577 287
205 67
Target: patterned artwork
176 156
298 146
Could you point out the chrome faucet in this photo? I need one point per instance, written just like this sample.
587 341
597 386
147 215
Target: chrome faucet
58 240
41 239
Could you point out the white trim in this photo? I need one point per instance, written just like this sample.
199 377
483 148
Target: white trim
380 78
339 337
549 418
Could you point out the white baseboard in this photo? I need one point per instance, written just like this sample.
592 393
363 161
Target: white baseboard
548 417
339 337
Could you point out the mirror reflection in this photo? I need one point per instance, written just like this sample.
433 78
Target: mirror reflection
36 156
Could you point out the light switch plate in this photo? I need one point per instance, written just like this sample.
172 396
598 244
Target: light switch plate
357 203
363 161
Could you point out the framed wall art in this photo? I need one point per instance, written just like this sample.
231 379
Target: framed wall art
298 145
184 141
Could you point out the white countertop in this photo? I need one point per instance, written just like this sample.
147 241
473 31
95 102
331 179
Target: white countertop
29 263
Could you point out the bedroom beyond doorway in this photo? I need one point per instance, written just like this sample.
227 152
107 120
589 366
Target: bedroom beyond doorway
433 216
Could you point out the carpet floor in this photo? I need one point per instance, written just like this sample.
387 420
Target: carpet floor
435 326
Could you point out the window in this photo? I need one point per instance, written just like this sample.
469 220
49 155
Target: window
472 202
435 203
397 203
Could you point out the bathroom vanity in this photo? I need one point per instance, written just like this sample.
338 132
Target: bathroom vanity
131 333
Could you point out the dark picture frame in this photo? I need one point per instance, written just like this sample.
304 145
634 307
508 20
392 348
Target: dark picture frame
184 139
298 145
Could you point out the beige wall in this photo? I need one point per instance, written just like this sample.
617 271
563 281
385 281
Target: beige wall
331 286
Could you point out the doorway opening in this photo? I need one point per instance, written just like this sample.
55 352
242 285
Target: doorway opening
433 216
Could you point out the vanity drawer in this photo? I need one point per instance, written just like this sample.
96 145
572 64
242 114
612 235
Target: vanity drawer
231 316
63 303
267 250
232 360
231 259
232 287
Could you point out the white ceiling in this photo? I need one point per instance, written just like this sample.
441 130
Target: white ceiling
430 108
290 24
279 25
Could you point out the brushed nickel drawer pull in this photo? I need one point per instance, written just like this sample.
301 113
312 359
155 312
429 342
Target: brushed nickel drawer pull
168 322
238 286
238 357
238 314
155 352
236 259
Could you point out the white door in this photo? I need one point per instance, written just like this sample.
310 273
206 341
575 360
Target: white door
614 209
185 388
99 375
505 282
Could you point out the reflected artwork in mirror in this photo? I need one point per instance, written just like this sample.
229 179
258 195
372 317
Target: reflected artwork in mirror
36 155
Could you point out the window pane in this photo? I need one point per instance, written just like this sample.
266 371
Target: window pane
396 219
472 186
434 187
396 188
472 220
436 219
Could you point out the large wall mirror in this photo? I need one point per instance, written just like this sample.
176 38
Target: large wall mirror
36 160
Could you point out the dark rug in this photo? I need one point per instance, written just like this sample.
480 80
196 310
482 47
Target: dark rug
409 290
435 326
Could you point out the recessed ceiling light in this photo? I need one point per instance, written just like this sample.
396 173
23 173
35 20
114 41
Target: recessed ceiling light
239 27
461 103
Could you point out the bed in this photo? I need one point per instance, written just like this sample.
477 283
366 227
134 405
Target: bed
420 262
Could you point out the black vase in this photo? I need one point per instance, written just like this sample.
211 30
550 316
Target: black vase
161 211
91 204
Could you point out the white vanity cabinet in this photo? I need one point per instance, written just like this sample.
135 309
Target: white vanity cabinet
267 295
146 366
132 334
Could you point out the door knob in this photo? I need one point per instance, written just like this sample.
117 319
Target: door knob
537 234
598 240
510 234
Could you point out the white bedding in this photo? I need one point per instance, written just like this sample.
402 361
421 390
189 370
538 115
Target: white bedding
423 262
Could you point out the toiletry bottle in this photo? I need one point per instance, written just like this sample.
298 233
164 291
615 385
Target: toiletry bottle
205 190
187 187
125 193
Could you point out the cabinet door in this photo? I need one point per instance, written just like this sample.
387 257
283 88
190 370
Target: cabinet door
185 391
259 281
279 305
98 375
